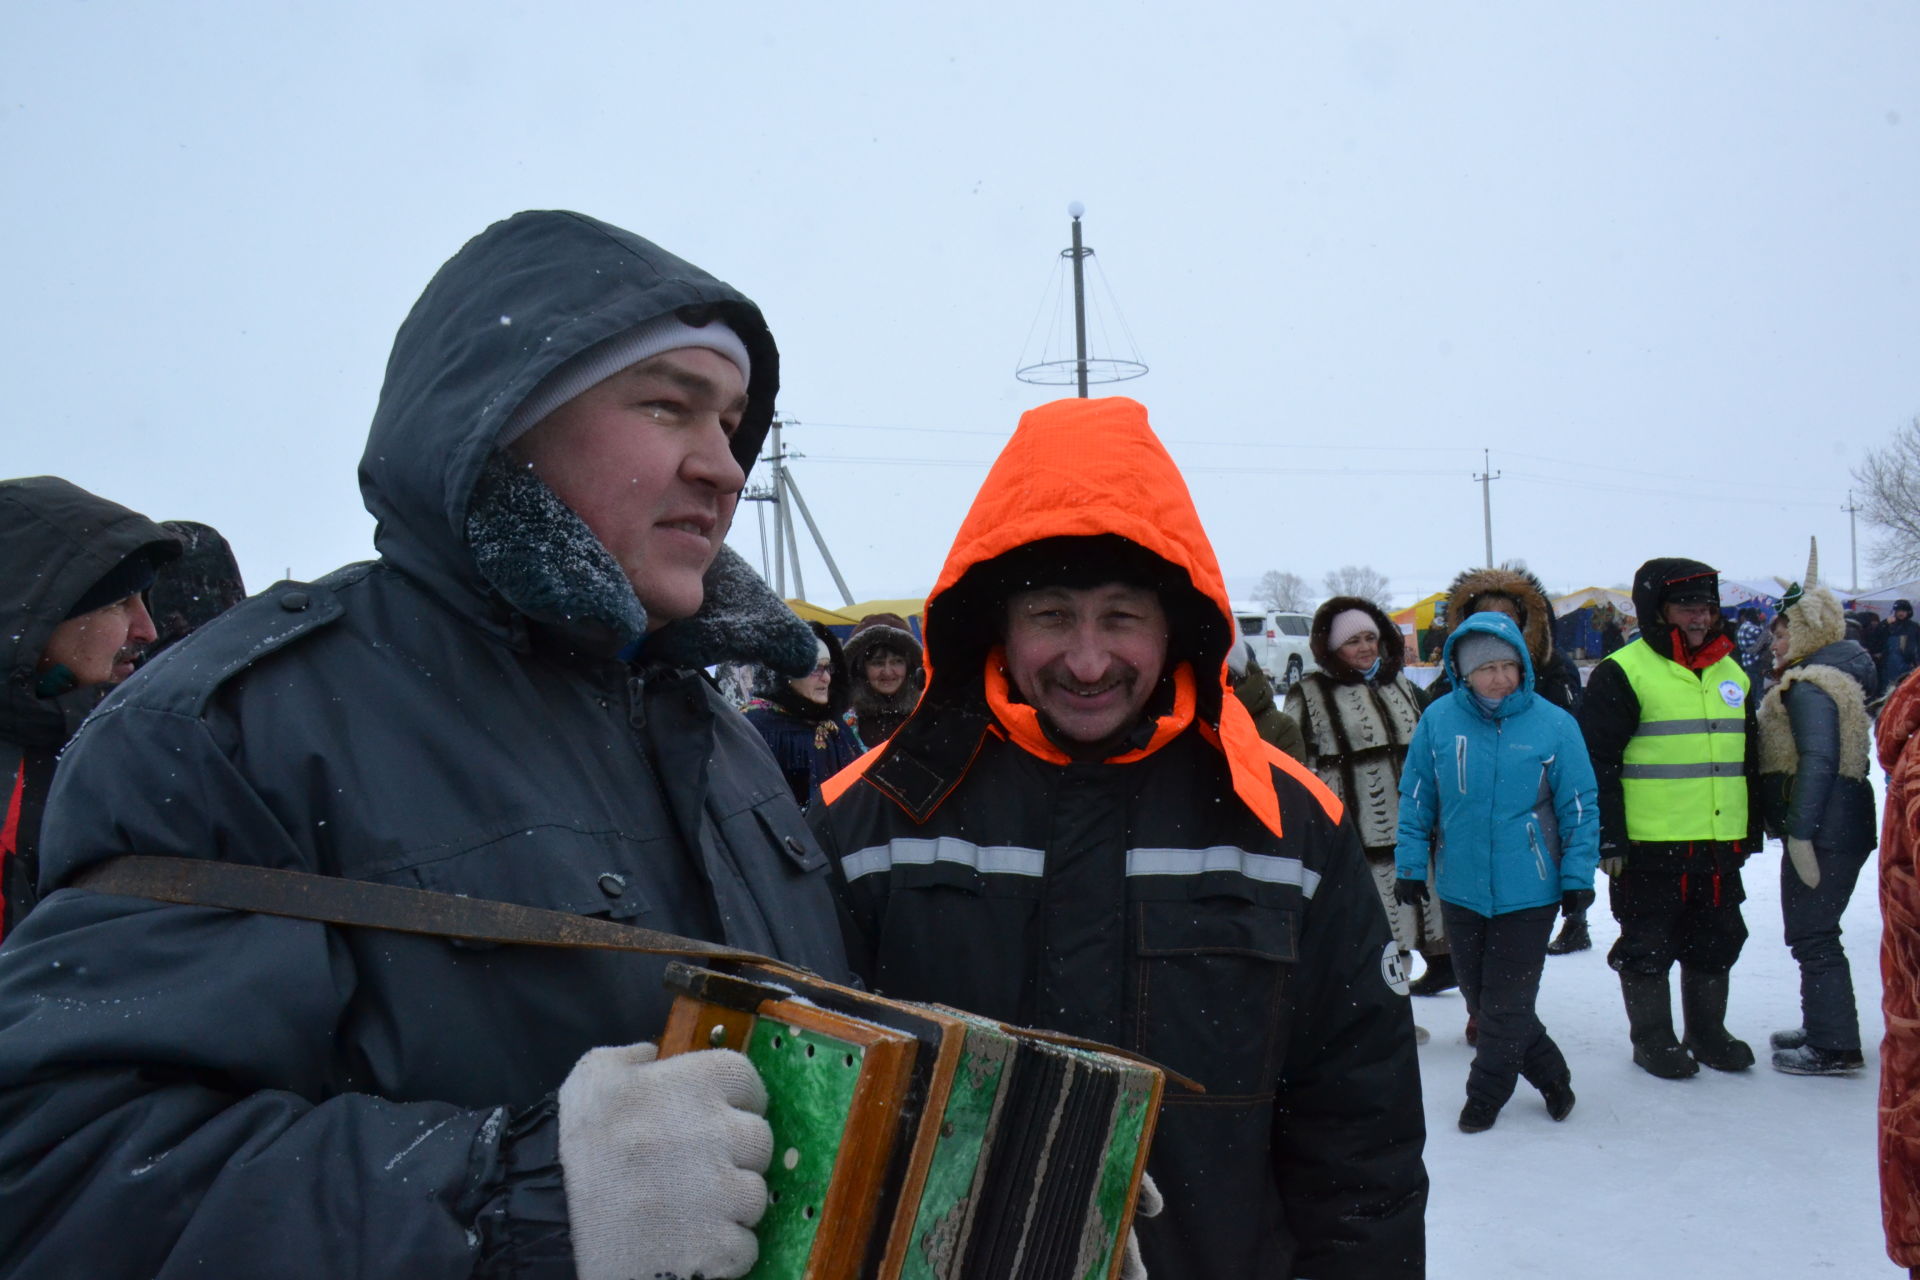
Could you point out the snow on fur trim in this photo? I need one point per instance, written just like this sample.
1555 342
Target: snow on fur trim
544 561
1517 584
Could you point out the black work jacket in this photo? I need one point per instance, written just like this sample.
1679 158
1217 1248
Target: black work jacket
186 1091
1139 904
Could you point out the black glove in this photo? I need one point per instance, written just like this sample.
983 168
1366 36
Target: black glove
1575 901
1409 893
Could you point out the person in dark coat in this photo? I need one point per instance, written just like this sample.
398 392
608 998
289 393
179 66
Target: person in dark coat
1080 829
508 704
884 661
1816 745
1669 724
195 589
1250 684
1515 591
803 719
73 623
1903 646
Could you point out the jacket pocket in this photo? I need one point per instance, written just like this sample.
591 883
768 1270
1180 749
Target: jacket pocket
780 825
980 961
1539 854
1212 978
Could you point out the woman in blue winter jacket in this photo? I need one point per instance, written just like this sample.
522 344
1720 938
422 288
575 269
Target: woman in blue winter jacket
1498 791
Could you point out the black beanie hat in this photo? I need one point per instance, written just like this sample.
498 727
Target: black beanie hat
130 577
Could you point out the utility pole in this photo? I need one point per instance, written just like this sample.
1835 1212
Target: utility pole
782 490
1853 538
1486 479
1074 211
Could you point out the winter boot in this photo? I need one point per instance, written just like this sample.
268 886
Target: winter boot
1788 1039
1478 1115
1438 977
1812 1060
1650 1022
1573 936
1703 999
1558 1096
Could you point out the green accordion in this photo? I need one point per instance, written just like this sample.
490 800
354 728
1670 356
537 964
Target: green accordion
923 1143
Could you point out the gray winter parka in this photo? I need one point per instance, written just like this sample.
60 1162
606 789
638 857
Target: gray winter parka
186 1091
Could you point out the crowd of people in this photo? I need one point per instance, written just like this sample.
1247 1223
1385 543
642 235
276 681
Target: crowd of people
1069 799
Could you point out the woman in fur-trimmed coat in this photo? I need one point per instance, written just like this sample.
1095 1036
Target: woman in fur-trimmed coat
1357 714
883 660
1815 748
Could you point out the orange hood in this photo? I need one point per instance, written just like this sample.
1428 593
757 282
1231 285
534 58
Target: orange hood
1092 468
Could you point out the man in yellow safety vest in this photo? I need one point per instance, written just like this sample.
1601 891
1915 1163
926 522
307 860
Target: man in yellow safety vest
1669 722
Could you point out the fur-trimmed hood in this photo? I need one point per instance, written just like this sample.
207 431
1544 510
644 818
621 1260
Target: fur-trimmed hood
1393 646
490 539
1517 584
883 630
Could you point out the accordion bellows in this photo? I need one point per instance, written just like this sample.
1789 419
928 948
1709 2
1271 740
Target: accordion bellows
923 1143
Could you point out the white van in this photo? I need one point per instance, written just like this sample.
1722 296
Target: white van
1279 640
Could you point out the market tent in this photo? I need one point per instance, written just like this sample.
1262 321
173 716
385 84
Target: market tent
1762 595
1579 617
1881 600
1590 596
838 623
1419 621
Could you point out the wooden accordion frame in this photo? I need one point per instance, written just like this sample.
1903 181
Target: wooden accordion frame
918 1142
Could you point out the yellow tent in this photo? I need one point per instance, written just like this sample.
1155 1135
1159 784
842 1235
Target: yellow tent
1417 622
827 617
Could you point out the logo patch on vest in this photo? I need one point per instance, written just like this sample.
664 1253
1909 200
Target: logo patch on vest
1731 693
1393 969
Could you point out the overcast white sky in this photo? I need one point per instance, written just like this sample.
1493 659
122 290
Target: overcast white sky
1660 258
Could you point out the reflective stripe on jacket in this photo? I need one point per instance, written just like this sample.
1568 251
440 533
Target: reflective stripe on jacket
1684 771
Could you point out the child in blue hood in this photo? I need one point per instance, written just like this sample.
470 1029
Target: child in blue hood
1498 790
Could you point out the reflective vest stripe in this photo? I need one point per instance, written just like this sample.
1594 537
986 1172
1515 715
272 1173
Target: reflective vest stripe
1683 771
1711 769
1266 867
1016 861
1668 728
1006 860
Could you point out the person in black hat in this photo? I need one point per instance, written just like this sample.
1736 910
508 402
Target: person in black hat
1669 724
76 622
1902 653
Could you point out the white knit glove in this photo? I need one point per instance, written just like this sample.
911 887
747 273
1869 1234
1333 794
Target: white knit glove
1805 865
662 1162
1147 1204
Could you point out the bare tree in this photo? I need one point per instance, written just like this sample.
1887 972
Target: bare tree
1283 592
1890 481
1361 580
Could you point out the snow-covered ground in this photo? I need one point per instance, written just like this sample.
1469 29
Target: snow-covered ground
1751 1176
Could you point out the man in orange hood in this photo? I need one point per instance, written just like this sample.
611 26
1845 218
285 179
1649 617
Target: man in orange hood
1078 828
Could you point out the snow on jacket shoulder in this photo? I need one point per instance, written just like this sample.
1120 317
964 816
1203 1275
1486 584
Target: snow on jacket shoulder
246 1095
1503 802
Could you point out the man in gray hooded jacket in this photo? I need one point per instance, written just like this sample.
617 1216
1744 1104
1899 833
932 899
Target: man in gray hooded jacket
506 705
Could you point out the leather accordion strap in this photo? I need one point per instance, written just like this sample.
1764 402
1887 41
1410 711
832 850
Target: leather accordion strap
303 895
